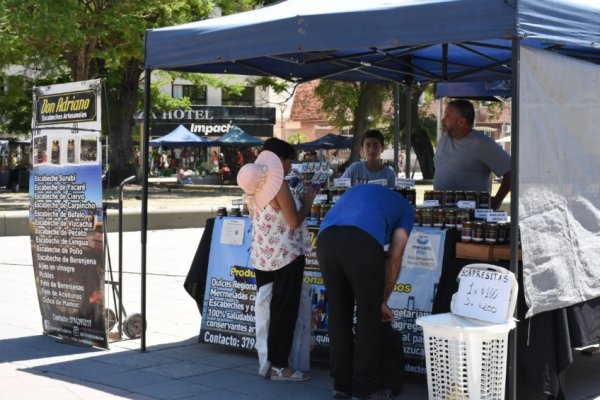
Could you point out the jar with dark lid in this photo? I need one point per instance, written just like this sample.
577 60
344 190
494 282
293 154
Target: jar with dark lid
484 200
459 195
439 196
478 232
462 216
450 220
245 210
426 217
315 212
466 234
501 234
438 218
471 196
411 196
327 193
491 233
449 199
428 195
222 212
236 212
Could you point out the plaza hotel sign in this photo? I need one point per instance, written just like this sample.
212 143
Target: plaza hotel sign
216 120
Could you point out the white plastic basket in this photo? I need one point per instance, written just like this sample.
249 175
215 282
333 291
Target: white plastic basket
466 358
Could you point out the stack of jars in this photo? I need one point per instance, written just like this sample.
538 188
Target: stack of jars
319 211
447 215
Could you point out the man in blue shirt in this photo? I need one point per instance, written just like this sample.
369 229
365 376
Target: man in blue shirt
355 267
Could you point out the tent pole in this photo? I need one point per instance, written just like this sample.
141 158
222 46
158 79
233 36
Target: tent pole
396 125
514 211
144 228
408 128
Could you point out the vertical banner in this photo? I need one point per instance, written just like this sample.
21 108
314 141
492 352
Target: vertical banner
228 312
318 294
65 213
413 294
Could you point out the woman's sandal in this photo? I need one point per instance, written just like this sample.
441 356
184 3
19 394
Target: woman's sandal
279 374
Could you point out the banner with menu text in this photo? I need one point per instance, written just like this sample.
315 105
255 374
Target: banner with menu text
65 215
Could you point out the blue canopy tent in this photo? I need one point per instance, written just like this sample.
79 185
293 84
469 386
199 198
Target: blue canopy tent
401 41
181 136
329 141
236 137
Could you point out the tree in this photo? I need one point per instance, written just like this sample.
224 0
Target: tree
89 39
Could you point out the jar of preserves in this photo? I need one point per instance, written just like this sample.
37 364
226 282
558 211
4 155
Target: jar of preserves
428 195
491 233
471 196
438 218
236 212
459 195
484 200
315 212
478 232
502 233
411 196
426 217
222 212
245 210
439 196
462 216
450 220
449 199
466 234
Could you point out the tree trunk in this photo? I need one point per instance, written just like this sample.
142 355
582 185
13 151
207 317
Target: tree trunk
369 103
122 102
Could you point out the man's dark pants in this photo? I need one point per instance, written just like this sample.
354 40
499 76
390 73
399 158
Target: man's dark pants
352 263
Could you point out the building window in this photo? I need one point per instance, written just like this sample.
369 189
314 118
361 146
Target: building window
245 98
196 94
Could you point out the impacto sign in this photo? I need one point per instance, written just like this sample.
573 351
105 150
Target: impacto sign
66 107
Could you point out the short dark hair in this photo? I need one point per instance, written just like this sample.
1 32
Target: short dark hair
373 133
280 147
465 109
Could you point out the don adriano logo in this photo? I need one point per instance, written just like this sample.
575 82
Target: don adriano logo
66 107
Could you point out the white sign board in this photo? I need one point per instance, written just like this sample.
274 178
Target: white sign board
342 182
405 182
484 294
382 182
233 231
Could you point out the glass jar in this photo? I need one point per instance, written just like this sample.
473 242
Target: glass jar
236 212
439 196
466 234
324 210
428 195
426 217
459 195
471 196
484 200
491 233
417 217
450 220
478 232
315 212
438 218
222 212
449 199
411 196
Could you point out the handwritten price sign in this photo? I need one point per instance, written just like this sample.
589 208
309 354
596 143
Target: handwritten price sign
484 294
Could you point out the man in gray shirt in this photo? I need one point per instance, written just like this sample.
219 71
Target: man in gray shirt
465 159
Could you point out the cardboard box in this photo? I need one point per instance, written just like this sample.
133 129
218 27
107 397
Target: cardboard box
474 251
483 252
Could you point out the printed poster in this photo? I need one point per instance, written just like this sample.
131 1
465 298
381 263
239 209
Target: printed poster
65 214
414 293
228 312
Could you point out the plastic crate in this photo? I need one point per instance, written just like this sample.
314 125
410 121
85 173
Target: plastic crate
465 357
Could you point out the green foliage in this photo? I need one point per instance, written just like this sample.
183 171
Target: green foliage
296 138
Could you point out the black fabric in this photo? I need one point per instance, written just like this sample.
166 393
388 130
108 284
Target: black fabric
352 264
195 281
584 323
391 370
287 285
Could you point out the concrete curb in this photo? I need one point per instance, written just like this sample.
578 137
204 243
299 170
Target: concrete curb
16 223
